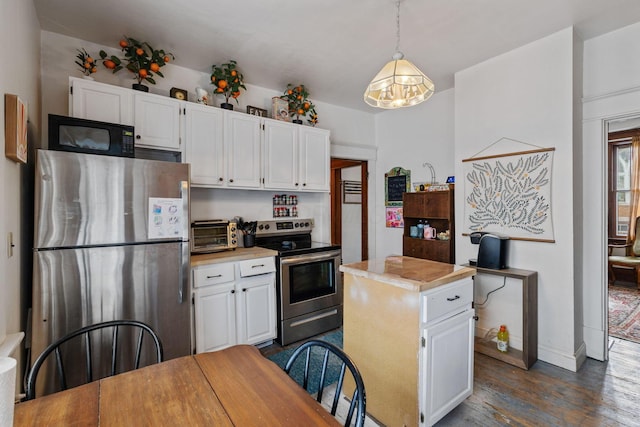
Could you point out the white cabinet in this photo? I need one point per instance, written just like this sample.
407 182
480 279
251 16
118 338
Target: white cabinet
157 122
446 353
281 157
98 101
315 159
447 365
235 303
296 157
242 140
204 144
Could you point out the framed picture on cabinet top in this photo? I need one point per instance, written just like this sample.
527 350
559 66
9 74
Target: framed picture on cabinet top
255 111
15 128
280 109
180 94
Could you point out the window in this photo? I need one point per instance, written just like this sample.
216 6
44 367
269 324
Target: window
619 186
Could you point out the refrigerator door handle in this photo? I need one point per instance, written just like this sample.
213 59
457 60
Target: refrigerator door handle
184 195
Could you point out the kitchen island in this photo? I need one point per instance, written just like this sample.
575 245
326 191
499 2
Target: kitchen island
408 326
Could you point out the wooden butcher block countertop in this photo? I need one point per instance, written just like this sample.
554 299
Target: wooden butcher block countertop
408 273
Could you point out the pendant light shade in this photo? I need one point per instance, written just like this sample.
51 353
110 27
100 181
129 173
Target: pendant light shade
399 83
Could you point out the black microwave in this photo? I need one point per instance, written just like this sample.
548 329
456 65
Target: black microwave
90 136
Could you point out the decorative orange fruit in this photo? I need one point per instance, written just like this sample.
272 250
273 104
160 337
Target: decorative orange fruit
89 60
235 94
234 73
139 52
213 79
123 44
219 90
166 58
299 97
300 111
87 65
94 69
109 64
142 73
306 105
289 92
154 67
222 84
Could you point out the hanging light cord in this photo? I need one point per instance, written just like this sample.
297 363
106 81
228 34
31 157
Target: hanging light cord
398 26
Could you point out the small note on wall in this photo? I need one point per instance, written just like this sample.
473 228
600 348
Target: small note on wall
15 128
397 182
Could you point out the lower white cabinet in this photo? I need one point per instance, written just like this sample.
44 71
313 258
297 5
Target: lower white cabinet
447 366
237 307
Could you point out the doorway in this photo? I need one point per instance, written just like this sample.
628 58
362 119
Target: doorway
349 201
623 296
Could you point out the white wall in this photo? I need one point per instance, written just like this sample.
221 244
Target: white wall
19 75
612 92
348 127
527 95
408 138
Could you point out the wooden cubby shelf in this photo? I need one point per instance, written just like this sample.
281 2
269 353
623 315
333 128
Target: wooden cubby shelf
526 357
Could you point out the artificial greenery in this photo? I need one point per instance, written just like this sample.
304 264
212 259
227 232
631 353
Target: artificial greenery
299 103
86 63
141 59
228 80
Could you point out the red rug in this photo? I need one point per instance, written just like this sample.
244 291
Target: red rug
624 313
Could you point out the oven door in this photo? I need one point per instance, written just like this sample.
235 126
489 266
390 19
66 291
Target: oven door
309 282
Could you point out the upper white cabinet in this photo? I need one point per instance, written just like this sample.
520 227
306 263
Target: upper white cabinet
226 149
204 144
157 121
280 155
242 140
315 159
98 101
296 157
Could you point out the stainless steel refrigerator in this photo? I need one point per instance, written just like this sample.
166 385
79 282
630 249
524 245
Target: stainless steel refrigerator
111 242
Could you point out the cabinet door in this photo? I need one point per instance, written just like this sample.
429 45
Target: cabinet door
280 155
204 144
157 122
242 144
435 204
446 376
315 159
256 298
98 101
215 314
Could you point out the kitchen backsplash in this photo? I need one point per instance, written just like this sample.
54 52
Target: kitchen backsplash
254 205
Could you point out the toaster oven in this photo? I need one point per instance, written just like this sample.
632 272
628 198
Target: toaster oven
213 236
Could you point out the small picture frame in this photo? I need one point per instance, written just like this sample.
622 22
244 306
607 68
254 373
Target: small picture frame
15 128
280 109
178 93
255 111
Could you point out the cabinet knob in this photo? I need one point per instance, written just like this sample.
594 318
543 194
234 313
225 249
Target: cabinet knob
137 136
233 291
231 180
304 185
244 289
297 184
220 179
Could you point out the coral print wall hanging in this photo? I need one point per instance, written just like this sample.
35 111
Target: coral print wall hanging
510 193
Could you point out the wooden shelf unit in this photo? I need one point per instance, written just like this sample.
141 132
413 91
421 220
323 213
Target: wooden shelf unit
526 357
437 207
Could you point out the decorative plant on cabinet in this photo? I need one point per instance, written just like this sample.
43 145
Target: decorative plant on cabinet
228 80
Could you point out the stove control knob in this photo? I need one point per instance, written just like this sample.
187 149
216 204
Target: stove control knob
306 224
266 227
260 227
296 225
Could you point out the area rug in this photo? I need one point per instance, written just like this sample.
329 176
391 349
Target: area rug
624 313
297 370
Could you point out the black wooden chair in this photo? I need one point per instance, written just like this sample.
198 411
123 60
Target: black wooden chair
117 348
321 359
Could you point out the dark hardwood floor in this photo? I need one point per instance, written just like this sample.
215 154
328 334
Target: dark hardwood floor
599 394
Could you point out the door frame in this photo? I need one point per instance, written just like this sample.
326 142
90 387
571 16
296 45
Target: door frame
337 165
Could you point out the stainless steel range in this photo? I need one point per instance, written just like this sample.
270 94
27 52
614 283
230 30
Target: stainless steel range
309 284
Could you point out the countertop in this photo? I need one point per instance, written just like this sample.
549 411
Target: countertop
409 273
239 254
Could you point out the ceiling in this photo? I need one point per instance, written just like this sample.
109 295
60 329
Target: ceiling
333 47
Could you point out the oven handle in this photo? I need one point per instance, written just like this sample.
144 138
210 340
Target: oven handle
299 259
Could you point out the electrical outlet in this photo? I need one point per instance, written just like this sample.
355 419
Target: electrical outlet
10 244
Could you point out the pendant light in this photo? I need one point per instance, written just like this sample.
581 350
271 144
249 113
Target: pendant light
399 83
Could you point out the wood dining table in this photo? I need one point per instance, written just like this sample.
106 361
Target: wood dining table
232 387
